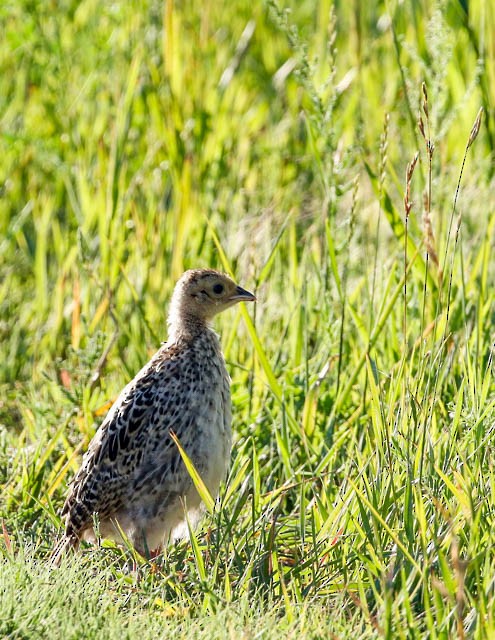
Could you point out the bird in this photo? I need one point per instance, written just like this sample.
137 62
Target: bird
133 479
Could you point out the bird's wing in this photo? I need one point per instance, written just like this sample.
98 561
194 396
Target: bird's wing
148 408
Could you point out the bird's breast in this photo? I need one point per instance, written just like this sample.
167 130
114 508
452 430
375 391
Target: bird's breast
212 436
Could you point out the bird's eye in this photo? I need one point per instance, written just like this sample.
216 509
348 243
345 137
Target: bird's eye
218 289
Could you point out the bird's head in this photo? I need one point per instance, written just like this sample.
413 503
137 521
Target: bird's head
202 293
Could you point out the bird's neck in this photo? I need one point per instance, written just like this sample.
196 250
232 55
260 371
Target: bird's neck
184 327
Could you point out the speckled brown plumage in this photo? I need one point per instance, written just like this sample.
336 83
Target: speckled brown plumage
132 475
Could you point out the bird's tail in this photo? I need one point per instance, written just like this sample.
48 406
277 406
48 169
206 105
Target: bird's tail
66 542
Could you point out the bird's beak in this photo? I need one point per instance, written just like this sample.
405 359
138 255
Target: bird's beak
242 295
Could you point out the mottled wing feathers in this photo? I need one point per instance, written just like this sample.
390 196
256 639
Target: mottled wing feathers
128 440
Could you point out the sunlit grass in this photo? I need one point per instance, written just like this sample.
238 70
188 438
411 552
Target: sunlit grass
141 139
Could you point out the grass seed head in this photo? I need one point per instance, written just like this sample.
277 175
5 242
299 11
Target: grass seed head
476 128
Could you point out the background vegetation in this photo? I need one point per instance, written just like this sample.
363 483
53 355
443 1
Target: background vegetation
138 139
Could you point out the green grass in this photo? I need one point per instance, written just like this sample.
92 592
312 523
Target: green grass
140 139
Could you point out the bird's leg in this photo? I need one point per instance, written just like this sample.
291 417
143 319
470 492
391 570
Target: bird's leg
155 553
146 552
